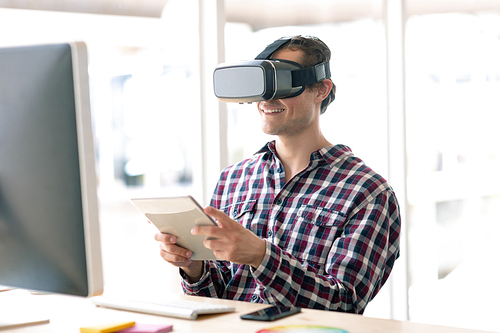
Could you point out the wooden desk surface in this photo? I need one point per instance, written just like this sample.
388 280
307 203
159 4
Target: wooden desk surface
67 314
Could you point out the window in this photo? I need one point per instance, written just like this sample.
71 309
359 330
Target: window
453 79
145 110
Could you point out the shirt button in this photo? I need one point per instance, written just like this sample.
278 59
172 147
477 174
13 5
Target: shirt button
269 234
278 201
254 297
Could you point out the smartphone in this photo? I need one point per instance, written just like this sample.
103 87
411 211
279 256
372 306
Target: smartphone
271 313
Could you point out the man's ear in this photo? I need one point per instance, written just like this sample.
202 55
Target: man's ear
323 89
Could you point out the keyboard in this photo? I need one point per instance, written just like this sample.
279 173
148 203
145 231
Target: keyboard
178 308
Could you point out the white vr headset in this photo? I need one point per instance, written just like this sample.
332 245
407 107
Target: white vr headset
263 79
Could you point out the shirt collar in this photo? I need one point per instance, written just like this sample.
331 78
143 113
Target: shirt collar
330 154
268 147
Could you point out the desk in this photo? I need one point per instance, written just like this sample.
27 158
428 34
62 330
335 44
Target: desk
67 314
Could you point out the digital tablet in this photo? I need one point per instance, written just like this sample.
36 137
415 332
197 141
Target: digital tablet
176 216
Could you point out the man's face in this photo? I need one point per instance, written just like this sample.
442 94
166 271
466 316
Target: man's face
289 116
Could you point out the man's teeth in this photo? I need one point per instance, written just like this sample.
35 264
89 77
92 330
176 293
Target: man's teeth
273 111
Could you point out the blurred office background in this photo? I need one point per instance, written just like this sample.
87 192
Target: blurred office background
418 86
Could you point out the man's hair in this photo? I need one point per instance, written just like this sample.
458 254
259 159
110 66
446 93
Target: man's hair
315 52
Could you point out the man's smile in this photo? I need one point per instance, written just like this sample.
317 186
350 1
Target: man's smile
272 110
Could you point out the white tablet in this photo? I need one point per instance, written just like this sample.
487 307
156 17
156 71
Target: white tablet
176 216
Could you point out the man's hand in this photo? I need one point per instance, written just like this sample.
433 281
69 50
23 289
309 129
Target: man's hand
232 242
179 256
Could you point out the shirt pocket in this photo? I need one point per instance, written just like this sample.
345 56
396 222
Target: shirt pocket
313 233
320 217
241 211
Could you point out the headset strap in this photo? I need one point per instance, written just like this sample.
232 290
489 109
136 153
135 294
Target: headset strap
303 76
310 75
271 48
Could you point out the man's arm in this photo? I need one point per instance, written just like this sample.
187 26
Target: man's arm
357 265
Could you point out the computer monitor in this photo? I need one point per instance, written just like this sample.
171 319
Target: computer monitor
49 226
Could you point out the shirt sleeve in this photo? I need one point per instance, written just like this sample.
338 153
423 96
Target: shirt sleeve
358 263
213 281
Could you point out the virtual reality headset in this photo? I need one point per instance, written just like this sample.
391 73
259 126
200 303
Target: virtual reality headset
264 79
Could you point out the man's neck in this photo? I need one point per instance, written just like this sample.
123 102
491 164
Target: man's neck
294 152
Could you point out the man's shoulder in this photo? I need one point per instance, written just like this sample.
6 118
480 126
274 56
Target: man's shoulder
353 169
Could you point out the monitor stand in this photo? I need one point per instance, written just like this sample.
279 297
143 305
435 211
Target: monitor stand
18 308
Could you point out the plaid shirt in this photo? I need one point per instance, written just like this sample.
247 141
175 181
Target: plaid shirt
332 232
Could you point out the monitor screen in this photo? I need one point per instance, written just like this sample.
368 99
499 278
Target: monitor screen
49 231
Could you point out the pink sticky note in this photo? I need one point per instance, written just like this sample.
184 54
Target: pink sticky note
147 328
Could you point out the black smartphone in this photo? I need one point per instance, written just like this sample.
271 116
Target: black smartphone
271 313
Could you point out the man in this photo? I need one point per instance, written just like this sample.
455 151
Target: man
303 222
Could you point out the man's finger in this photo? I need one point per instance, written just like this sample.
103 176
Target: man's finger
165 238
220 216
176 250
209 231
